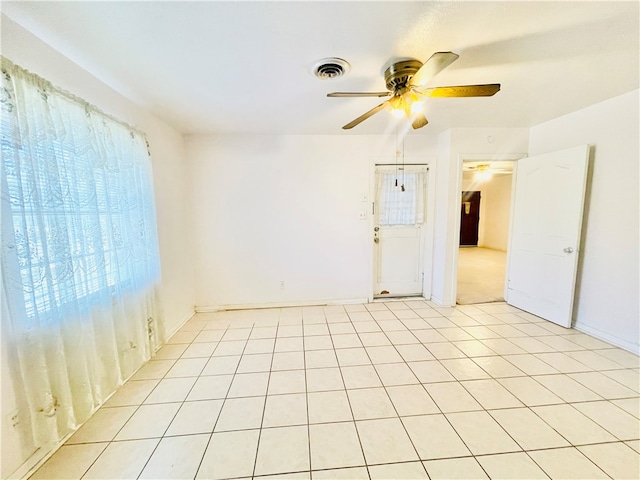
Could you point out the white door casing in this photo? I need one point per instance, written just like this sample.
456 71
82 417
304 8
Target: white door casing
545 233
399 246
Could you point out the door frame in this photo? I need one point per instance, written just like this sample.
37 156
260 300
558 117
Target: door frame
427 246
455 238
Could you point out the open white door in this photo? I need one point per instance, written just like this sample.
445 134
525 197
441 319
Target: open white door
545 233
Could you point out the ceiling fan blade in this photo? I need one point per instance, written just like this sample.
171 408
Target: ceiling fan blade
359 94
436 63
419 122
463 91
364 116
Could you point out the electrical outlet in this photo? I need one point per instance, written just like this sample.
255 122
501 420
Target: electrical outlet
14 418
281 284
362 215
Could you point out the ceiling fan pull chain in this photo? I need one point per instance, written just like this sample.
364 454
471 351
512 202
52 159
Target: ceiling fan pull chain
403 169
397 154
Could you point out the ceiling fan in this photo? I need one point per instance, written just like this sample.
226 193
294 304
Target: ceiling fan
406 84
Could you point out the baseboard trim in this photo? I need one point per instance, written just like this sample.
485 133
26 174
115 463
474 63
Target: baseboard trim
440 302
43 453
612 339
398 298
185 318
247 306
38 458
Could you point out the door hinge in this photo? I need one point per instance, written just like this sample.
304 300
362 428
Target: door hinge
373 208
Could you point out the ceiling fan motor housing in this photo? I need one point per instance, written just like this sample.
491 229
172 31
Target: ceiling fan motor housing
398 74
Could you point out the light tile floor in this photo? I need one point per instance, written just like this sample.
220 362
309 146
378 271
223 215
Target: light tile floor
385 390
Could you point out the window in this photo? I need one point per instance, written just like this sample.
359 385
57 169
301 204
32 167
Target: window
400 196
80 200
80 260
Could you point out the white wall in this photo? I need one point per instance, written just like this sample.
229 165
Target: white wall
272 209
170 181
469 184
494 212
453 146
442 275
607 303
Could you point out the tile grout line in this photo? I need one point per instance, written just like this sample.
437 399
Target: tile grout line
204 453
443 415
264 407
355 425
306 396
137 409
391 401
532 376
563 402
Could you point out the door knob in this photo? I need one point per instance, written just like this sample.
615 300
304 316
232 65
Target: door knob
567 250
376 240
376 229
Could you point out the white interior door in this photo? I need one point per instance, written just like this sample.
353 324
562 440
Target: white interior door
545 233
399 230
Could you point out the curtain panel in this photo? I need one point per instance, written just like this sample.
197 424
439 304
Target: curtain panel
80 261
401 195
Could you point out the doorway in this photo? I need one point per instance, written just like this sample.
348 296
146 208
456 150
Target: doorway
484 230
399 230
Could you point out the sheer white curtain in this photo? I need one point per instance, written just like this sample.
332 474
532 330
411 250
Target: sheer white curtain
80 264
401 195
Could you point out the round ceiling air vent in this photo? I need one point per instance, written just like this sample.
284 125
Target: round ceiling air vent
329 68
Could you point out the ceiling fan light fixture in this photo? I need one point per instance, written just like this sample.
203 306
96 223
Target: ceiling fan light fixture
398 106
405 105
484 173
417 107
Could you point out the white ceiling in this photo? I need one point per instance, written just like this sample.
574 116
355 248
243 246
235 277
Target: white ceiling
239 67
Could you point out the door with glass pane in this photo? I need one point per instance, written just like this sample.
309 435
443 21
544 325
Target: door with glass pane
399 220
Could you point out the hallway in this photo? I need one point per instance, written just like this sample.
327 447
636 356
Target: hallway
481 275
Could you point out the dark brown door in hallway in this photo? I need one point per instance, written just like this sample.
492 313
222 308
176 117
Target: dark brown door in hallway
469 218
